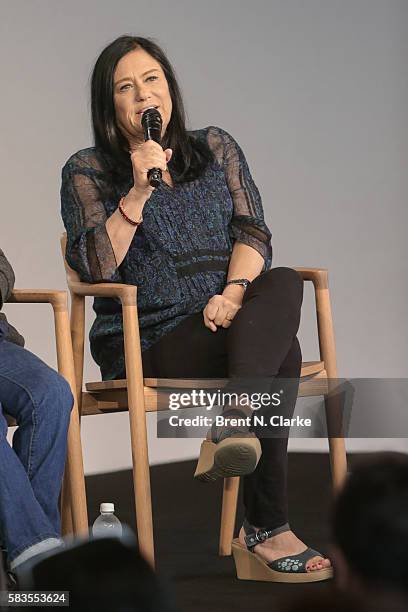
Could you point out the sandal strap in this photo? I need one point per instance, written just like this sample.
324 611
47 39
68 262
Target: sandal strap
289 563
253 537
294 563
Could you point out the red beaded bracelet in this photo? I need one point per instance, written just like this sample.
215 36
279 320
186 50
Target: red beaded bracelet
124 215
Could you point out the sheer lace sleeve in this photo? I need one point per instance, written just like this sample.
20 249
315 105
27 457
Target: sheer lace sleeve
89 250
247 225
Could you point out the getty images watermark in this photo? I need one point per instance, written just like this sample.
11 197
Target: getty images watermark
213 401
318 408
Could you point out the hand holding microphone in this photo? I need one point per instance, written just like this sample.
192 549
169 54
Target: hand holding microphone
149 160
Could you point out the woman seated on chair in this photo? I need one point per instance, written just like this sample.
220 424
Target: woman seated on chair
31 471
199 251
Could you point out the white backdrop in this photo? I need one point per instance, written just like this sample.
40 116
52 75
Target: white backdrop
316 93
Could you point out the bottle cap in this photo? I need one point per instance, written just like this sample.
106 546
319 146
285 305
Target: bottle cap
107 507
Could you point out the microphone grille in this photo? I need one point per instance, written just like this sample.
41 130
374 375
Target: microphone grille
152 124
151 117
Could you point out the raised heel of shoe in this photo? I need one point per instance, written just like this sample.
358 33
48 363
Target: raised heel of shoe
230 457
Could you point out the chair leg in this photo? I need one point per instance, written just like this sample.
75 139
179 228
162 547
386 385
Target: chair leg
338 461
141 483
335 401
334 410
67 527
138 432
74 464
228 514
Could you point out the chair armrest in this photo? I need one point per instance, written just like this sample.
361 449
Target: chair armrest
55 297
74 463
318 276
126 293
58 300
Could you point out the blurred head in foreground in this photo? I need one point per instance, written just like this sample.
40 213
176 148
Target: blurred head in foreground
370 526
102 574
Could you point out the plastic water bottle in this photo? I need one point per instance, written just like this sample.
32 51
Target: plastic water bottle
107 524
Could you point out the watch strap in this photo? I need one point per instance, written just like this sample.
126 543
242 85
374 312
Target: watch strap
239 281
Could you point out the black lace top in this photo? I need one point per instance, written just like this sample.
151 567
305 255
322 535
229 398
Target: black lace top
179 255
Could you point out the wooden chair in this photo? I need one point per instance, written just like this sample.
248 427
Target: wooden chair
74 509
139 395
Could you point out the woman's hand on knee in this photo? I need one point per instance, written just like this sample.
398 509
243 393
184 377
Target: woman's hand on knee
220 310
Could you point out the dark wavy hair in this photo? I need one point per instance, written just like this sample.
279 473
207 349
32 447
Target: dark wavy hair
190 155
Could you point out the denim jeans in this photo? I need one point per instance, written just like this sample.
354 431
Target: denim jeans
31 471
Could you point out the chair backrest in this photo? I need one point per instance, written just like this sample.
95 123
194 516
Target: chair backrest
72 276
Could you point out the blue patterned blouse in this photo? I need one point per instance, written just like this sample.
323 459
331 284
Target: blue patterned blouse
179 255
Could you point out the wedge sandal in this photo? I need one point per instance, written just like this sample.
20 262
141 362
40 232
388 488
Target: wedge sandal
292 568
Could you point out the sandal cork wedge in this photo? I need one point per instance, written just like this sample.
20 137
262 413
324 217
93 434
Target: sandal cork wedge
291 568
232 456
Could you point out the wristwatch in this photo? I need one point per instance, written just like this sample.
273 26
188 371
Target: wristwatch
239 281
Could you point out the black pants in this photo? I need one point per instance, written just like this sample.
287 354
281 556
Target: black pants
261 342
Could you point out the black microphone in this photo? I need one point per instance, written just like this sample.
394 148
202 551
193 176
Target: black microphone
152 127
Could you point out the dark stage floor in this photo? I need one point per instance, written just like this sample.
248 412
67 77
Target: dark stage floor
186 521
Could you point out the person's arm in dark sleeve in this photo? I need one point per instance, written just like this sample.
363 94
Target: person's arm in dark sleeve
7 279
248 224
89 250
